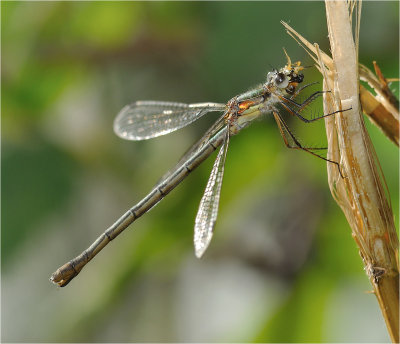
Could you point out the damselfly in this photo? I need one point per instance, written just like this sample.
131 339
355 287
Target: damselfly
147 119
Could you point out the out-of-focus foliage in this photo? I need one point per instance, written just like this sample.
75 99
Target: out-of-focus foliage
282 266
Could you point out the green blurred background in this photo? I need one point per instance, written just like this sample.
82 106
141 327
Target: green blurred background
282 266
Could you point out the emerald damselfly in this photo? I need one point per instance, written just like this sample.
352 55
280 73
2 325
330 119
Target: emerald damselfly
144 120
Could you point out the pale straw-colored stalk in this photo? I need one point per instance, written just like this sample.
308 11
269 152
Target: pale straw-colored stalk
383 108
360 193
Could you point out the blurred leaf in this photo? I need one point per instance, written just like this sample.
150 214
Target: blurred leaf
104 26
301 317
36 181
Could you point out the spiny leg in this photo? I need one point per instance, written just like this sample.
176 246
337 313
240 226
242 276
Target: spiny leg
284 130
298 145
306 102
297 114
296 93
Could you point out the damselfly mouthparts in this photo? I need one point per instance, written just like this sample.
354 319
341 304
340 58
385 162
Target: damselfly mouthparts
147 119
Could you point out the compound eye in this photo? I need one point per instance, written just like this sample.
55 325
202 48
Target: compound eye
281 80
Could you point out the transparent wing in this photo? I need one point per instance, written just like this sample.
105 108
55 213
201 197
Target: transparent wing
208 209
147 119
217 126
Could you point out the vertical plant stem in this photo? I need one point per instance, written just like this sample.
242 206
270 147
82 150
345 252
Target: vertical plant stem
360 194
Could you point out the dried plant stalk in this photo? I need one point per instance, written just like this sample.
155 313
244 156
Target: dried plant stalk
379 115
382 109
360 194
381 86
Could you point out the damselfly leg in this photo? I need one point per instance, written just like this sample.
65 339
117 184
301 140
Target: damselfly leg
288 135
285 132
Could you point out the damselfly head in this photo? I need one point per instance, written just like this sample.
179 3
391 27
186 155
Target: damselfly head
287 78
292 72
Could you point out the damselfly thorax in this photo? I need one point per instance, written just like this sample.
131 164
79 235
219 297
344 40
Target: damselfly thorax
148 119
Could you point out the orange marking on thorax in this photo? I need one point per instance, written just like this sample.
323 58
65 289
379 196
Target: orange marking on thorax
244 105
